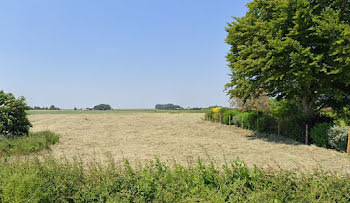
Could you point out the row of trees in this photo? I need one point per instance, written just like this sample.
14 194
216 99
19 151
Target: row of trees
294 51
52 107
168 107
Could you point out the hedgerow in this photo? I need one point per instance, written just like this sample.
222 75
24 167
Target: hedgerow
50 180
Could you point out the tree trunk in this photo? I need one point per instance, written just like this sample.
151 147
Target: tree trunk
308 110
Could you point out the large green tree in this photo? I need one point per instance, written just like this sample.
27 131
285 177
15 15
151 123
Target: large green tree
292 49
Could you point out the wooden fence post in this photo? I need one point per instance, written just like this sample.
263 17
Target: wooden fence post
279 128
306 134
229 120
242 123
348 149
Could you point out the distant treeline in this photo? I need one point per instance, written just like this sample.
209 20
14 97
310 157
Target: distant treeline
175 107
168 107
52 107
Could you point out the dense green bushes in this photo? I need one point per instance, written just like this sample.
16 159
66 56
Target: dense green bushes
34 142
293 127
319 134
13 116
229 114
338 138
326 135
50 180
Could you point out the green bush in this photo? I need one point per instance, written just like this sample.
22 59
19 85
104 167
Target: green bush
13 116
236 120
50 180
267 124
230 113
292 129
338 138
319 134
248 120
34 142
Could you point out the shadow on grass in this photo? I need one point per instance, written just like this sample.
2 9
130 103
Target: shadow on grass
273 138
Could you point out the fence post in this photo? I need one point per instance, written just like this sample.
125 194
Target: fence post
229 120
279 128
306 134
220 118
348 149
242 123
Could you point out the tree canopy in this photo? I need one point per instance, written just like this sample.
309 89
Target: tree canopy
13 115
102 107
292 49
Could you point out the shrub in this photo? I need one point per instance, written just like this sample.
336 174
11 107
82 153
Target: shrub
236 120
292 129
338 138
319 134
13 115
214 113
34 142
247 120
230 113
267 124
52 180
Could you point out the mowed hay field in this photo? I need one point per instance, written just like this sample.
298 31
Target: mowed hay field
183 138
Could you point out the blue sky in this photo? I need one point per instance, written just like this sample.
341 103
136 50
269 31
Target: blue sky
129 54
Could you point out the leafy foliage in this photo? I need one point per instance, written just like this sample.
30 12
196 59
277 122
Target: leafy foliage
261 103
319 134
230 114
13 116
293 49
338 137
50 180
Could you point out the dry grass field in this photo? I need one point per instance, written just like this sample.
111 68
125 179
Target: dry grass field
140 137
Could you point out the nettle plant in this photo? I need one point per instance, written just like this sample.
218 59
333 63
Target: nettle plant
13 115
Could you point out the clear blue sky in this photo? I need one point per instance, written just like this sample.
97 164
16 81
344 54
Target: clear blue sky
126 53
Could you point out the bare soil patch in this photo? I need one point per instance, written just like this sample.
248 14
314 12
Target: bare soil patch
141 137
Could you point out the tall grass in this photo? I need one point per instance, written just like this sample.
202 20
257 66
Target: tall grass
50 180
34 142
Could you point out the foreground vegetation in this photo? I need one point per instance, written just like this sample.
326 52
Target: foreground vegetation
35 141
51 180
325 132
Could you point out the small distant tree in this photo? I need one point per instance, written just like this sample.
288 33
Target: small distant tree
52 107
75 108
102 107
13 115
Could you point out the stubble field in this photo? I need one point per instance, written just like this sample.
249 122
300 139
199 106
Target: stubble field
182 137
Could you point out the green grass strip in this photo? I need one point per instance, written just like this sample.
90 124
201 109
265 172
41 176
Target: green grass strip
34 142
